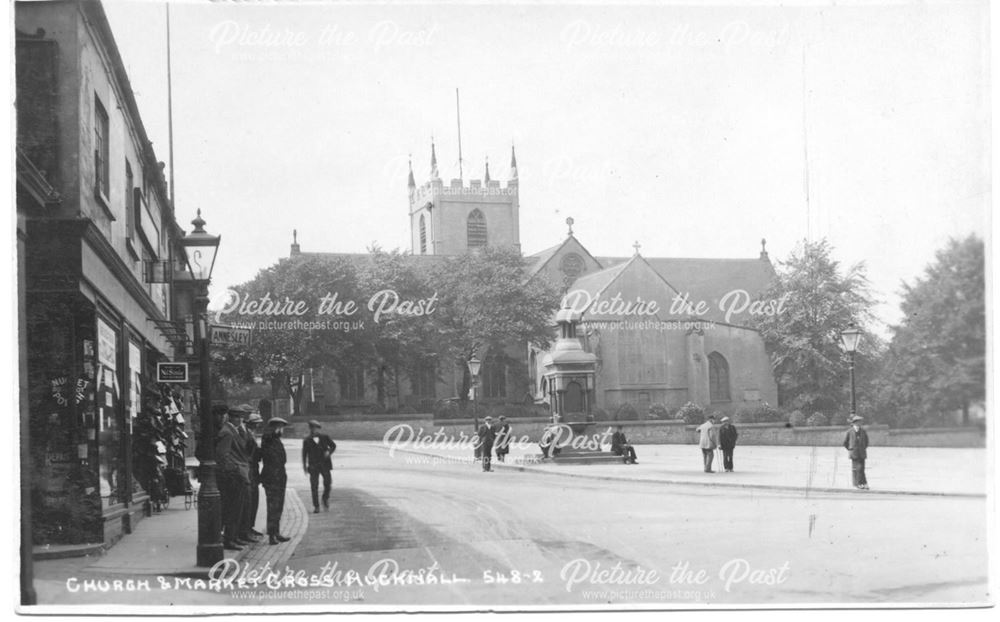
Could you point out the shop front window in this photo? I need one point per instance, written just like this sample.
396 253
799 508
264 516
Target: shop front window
61 379
109 429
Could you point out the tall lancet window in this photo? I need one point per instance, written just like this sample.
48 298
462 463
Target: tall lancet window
476 229
718 378
423 236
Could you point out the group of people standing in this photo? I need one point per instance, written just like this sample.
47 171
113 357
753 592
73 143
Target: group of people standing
243 467
493 437
724 438
711 438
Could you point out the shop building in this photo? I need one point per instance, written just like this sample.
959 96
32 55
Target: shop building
99 304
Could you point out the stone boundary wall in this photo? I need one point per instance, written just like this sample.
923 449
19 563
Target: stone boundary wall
654 432
938 437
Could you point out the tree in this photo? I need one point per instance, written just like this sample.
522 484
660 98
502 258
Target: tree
292 330
803 340
405 335
936 363
487 303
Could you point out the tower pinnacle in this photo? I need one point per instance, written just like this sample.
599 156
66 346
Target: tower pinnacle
513 163
434 161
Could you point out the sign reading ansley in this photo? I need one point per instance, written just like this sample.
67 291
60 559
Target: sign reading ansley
229 335
171 372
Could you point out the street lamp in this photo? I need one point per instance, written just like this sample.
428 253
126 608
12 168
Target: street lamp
850 337
474 365
200 249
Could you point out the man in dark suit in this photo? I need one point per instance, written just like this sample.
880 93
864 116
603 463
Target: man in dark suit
486 437
727 441
856 444
234 479
316 451
273 477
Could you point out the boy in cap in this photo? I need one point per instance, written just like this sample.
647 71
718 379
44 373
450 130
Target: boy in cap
274 477
856 444
316 451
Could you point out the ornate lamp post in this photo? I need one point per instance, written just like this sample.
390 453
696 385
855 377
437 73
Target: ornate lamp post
474 364
200 249
850 337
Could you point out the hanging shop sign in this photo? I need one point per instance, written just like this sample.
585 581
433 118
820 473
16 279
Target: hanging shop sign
172 372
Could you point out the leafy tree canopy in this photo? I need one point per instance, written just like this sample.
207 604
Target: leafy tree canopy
804 340
936 362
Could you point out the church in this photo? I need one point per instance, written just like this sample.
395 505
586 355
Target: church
664 331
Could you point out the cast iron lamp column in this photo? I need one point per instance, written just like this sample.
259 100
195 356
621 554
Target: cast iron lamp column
200 249
851 336
474 365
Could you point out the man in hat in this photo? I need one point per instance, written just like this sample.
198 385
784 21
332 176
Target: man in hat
486 437
234 479
316 451
727 441
707 436
856 444
274 477
252 422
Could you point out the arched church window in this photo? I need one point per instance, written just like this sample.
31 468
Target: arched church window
718 378
423 236
476 229
494 376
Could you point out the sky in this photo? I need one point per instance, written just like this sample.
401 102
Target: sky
692 130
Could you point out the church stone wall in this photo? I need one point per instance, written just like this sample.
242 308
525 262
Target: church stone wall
641 367
751 380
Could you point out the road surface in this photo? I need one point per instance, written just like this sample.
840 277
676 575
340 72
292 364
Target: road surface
451 535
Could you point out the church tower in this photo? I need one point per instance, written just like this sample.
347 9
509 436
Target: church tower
455 219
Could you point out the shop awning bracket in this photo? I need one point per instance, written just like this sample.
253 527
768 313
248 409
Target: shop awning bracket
174 332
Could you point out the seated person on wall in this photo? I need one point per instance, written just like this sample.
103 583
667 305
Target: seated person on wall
621 447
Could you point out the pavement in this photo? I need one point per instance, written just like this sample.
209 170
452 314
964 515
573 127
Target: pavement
890 470
163 545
